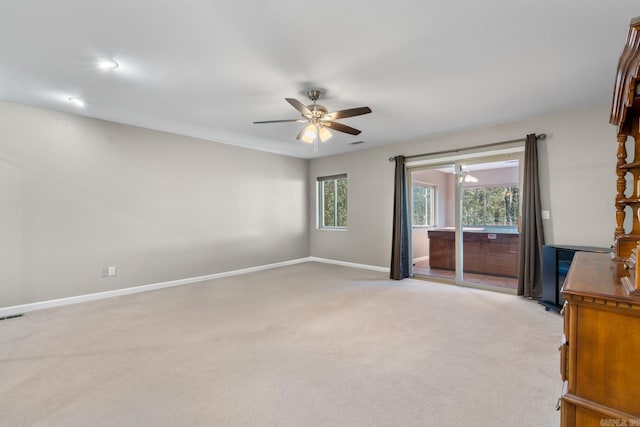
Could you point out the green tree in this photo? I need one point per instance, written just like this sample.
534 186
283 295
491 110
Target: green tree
334 199
491 205
329 201
473 206
341 204
419 205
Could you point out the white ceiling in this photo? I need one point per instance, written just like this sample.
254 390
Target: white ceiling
208 68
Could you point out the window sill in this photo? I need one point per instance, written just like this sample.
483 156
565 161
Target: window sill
331 229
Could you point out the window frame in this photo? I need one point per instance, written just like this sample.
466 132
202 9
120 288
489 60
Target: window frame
320 183
432 207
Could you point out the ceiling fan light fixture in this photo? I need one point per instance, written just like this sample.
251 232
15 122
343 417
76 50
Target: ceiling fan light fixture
107 64
324 133
309 134
470 178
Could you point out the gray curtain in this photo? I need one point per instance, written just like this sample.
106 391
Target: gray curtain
400 238
531 233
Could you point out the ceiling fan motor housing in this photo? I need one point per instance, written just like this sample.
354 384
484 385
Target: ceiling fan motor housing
317 110
314 94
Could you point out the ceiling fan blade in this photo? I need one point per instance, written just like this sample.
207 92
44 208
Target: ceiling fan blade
341 114
299 106
281 121
341 128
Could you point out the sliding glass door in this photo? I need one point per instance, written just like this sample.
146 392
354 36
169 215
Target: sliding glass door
433 221
465 221
490 208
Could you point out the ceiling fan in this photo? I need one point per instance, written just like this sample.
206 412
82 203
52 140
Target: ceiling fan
319 119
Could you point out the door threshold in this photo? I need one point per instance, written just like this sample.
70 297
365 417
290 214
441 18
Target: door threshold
482 286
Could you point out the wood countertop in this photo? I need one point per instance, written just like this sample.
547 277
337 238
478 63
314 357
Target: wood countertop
593 275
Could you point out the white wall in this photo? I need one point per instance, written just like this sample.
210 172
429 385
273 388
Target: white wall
79 194
577 178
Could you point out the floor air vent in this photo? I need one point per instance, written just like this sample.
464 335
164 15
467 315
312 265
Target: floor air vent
13 316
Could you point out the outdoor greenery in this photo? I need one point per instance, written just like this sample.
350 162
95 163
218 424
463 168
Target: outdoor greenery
334 208
423 205
490 205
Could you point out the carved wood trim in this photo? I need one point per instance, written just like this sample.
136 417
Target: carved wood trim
602 302
621 184
628 69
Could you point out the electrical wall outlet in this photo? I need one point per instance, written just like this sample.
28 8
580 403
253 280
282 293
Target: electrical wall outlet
546 215
108 271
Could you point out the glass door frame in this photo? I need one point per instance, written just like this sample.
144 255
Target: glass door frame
458 161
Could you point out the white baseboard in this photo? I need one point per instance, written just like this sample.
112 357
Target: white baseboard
24 308
350 264
422 258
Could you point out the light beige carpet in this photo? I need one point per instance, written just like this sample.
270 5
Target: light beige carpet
307 345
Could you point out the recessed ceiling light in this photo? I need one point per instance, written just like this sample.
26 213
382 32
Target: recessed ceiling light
107 64
76 101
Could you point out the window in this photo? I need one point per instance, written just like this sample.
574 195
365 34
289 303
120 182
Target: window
424 196
332 202
491 205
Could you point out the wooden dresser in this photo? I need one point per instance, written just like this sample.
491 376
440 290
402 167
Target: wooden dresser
600 353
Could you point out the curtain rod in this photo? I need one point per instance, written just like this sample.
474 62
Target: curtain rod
542 136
